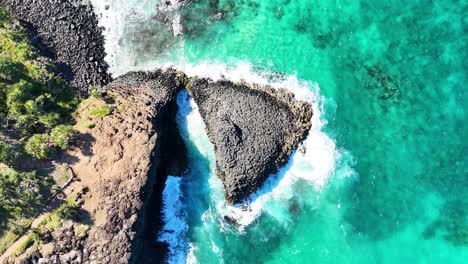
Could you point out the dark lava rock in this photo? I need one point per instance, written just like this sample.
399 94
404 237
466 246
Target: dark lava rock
67 32
254 130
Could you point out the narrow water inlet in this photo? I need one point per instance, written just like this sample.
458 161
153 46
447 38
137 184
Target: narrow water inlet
169 158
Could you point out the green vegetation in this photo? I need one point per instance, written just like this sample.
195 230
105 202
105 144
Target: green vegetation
7 153
93 92
42 146
39 146
34 102
22 194
67 211
32 239
36 108
101 111
81 230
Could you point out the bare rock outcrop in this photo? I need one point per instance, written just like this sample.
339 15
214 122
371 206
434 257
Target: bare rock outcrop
254 131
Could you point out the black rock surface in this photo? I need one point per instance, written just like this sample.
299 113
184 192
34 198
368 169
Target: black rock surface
67 32
254 131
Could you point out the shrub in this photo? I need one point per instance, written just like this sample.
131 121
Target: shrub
8 154
50 119
10 70
62 135
67 211
39 146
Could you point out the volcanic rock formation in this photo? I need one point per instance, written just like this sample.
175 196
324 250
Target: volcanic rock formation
254 131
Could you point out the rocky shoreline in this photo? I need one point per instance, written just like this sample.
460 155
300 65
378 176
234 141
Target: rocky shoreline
127 154
131 197
67 32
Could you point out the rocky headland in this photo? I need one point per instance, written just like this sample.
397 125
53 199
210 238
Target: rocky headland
129 141
121 166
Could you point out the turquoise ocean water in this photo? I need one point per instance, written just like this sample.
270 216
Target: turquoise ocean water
385 179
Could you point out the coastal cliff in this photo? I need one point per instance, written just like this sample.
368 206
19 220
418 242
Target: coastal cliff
121 165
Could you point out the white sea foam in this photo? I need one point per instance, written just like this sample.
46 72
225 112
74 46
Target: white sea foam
121 17
195 130
111 16
175 228
191 259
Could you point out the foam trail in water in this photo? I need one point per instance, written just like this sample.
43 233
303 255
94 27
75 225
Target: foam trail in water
189 117
191 259
175 228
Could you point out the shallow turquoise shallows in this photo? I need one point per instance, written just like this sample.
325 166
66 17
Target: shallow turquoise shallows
391 82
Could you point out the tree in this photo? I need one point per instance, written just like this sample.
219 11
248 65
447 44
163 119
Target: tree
34 102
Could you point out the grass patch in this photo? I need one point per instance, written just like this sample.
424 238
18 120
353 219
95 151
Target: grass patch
90 109
31 239
101 111
81 230
7 239
66 211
